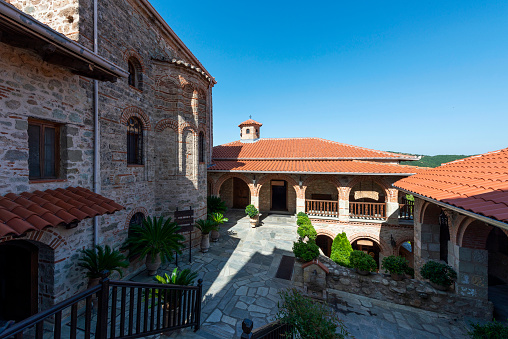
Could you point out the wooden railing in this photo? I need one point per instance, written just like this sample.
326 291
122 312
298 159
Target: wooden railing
406 209
273 330
367 210
322 208
116 309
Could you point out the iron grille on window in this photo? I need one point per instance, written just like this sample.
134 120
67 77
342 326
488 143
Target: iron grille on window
134 142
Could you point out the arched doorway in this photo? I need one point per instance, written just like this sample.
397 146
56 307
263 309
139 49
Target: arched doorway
497 246
19 276
235 193
368 246
444 237
406 251
279 195
325 244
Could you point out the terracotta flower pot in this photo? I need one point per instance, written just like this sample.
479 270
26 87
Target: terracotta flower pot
397 277
439 287
205 242
152 265
254 221
214 236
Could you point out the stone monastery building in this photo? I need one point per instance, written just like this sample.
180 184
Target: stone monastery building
341 187
97 99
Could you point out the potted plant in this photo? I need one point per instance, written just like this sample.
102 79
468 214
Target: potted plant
101 259
156 240
205 226
362 262
441 276
215 205
253 214
218 219
182 278
396 265
306 251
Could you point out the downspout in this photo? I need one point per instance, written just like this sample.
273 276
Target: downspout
210 124
96 155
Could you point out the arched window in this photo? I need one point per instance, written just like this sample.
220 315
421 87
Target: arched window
135 73
247 131
134 141
201 147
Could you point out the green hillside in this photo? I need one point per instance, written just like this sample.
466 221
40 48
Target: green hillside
434 160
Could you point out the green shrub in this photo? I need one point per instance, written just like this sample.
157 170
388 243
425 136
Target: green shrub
438 273
307 230
395 264
309 319
102 259
307 251
301 214
251 211
341 250
215 205
301 220
410 271
362 261
490 330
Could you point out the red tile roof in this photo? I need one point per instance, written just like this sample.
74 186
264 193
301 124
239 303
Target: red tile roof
314 166
250 122
37 210
299 148
478 184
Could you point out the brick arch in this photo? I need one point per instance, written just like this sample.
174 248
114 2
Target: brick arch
430 213
217 185
399 243
327 232
166 123
130 53
132 212
315 177
47 236
182 127
382 246
166 78
134 111
202 128
210 183
376 180
473 233
278 176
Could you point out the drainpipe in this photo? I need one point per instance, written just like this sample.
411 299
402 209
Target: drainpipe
210 123
96 155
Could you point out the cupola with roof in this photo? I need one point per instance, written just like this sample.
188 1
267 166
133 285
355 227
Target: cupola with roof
250 130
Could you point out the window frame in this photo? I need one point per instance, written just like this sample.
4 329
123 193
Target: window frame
139 152
201 147
43 124
135 79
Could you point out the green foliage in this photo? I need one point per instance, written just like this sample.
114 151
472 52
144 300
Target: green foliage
433 160
217 218
303 219
341 250
183 278
490 330
101 259
301 214
251 211
362 261
155 236
410 271
410 197
395 264
309 319
307 230
215 205
206 226
438 273
307 251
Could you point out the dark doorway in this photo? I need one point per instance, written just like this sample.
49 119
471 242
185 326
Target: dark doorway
444 237
279 195
18 280
497 245
325 244
368 246
241 193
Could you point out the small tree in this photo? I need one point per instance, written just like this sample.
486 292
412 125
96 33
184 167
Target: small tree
341 250
307 251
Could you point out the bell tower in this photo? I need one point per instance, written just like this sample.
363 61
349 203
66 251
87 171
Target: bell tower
250 130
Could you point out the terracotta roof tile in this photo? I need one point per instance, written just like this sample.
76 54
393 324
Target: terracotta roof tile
313 166
250 122
37 210
299 148
478 184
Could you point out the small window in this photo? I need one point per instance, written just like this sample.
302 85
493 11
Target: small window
247 131
135 73
201 147
134 141
43 150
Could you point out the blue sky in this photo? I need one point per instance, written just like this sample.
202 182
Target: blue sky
426 77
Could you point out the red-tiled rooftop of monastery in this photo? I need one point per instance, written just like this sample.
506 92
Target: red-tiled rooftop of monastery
250 122
299 148
314 166
37 210
478 184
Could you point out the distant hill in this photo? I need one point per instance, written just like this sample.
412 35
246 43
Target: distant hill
433 160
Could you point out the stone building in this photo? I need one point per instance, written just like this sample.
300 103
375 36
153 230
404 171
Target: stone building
341 187
104 96
461 218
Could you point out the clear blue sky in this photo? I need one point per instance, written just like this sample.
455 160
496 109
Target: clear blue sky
426 77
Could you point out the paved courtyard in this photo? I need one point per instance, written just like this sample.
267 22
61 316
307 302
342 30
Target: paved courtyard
239 282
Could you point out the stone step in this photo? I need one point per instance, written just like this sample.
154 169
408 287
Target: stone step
279 219
189 333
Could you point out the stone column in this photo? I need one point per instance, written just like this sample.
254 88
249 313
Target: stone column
471 266
343 204
392 206
300 204
254 200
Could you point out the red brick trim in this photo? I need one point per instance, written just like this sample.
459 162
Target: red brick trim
134 111
167 78
399 243
317 177
130 53
473 233
377 180
184 126
382 246
132 212
318 263
226 176
290 180
166 123
322 231
47 236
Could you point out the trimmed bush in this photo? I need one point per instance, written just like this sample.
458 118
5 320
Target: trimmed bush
301 214
251 211
307 251
362 261
341 250
395 264
301 220
307 230
490 330
438 273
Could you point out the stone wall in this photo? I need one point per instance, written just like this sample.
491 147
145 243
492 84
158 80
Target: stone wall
409 292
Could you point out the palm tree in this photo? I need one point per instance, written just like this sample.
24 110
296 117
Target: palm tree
102 259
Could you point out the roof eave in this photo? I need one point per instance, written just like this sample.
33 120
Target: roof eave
210 169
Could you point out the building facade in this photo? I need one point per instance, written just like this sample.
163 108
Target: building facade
106 97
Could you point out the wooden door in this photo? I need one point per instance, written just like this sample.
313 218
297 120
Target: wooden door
241 193
279 195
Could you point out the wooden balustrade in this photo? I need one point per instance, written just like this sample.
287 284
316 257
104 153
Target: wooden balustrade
322 208
367 210
406 209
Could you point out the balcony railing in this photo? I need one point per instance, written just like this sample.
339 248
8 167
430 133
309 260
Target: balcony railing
406 209
367 210
322 208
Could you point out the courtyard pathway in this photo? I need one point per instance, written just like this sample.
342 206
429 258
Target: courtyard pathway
239 282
